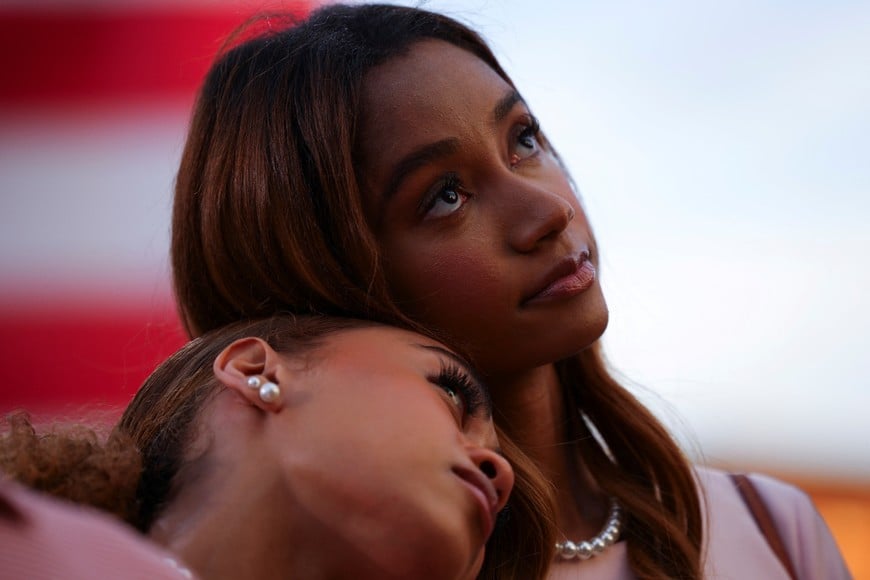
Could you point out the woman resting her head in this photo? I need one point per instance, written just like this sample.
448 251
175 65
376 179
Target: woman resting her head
308 448
376 161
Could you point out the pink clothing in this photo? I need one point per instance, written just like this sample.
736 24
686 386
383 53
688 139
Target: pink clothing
44 538
735 547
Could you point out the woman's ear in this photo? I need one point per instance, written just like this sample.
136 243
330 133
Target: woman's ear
249 367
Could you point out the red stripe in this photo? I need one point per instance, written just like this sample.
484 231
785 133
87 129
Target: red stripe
88 54
56 359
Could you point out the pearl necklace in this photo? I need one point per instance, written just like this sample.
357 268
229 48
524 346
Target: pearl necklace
568 550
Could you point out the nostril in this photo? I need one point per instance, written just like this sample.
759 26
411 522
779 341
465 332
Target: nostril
488 469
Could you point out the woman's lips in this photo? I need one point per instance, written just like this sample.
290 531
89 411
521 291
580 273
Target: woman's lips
569 278
484 494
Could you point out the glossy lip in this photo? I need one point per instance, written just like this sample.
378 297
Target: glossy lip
484 492
571 276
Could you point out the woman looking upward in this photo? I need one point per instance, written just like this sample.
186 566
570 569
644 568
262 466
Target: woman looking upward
377 161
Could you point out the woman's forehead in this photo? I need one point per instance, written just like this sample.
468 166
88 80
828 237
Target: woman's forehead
432 77
434 93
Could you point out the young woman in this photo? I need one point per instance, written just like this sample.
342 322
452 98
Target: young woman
376 161
305 448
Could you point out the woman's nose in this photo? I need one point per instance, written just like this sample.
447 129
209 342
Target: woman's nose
542 215
497 469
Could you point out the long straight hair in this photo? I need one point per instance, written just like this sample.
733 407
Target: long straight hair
268 217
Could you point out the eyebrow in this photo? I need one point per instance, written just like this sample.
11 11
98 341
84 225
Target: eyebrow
478 383
439 149
417 159
505 105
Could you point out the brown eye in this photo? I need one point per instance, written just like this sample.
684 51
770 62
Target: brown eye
527 142
455 398
447 198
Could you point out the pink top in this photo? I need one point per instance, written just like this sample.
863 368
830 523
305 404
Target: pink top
735 547
45 538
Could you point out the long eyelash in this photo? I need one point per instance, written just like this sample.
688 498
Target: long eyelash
452 376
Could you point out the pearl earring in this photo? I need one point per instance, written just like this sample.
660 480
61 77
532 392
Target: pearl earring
269 391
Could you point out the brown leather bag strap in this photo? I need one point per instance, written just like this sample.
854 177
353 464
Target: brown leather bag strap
763 520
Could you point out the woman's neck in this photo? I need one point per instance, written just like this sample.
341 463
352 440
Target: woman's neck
531 408
265 536
236 526
241 519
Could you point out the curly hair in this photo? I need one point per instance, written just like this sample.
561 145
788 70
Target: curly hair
73 462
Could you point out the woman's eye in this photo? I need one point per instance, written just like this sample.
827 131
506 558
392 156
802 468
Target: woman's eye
527 143
456 399
464 395
448 198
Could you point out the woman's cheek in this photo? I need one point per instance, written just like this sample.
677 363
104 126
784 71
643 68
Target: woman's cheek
455 278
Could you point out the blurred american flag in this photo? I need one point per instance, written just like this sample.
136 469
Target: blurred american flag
94 103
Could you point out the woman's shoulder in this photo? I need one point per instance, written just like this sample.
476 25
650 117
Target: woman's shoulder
44 537
784 500
736 543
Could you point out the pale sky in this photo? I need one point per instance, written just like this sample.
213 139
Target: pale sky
723 154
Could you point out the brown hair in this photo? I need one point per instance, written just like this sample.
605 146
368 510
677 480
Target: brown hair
74 462
268 217
135 471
